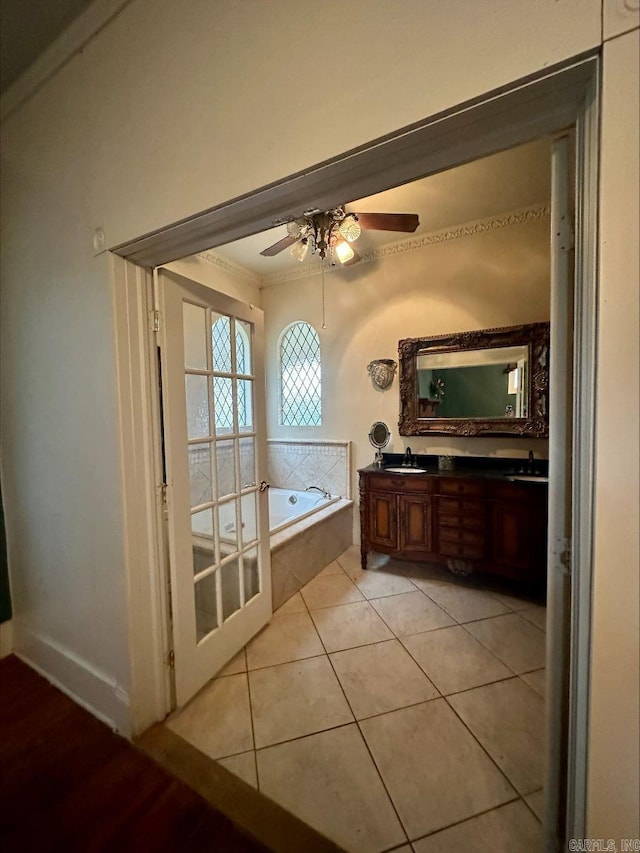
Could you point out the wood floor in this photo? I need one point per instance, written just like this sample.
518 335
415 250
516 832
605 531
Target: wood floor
69 783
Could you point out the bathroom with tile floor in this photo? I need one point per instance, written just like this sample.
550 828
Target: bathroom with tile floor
398 708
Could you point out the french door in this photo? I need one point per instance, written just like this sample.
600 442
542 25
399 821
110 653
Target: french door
215 447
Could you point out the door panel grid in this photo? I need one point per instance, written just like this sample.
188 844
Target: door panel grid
223 509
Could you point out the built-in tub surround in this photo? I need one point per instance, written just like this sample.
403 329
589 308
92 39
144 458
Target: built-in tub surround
299 464
302 549
307 532
287 506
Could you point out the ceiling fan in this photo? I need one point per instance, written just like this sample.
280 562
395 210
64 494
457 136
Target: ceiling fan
331 232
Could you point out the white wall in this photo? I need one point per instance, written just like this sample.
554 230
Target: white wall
614 799
489 279
171 109
220 276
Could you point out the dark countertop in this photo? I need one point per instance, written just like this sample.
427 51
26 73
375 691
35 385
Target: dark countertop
465 466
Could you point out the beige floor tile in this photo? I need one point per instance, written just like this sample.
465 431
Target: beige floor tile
333 568
329 781
218 720
536 801
453 660
377 583
350 625
242 765
238 663
537 615
434 769
514 601
463 603
350 559
296 699
508 719
411 613
290 636
508 829
329 591
422 573
515 641
537 680
381 677
295 604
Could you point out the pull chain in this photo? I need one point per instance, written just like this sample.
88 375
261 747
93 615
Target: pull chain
324 324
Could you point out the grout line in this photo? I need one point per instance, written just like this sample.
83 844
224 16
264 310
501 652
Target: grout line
253 734
357 722
484 749
524 800
491 651
364 740
466 819
305 735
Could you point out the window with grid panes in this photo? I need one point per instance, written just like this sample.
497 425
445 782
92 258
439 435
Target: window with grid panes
300 376
222 359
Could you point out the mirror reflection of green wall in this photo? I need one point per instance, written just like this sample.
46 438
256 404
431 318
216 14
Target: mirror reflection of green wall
487 383
469 392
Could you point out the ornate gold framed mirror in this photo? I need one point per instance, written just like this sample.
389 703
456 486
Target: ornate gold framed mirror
485 382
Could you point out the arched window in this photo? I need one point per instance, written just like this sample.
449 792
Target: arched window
300 379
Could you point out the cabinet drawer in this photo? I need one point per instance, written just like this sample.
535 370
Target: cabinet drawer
530 492
460 507
400 482
457 535
461 487
461 549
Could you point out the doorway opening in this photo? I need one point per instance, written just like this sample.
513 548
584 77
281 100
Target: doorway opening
551 121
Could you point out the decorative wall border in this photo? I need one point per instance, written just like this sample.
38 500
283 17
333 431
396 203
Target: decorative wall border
229 267
469 229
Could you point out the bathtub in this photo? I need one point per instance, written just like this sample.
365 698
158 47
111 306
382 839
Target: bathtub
287 506
300 546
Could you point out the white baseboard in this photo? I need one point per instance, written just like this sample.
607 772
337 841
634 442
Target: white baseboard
94 690
6 638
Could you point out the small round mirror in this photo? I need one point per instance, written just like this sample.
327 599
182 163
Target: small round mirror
379 434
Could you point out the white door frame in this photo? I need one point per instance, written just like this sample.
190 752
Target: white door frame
546 103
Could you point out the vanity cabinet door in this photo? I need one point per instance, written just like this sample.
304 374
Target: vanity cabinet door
382 519
519 539
415 523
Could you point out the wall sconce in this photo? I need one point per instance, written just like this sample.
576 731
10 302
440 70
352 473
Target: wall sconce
381 372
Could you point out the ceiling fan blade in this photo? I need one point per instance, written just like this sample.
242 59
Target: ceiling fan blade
407 222
280 246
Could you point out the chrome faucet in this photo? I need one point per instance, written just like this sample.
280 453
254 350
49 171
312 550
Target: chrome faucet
325 494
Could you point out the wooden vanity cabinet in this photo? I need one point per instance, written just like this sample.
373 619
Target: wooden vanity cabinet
396 515
415 523
382 519
461 528
519 529
469 523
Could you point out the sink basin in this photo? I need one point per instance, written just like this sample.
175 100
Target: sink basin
406 470
528 478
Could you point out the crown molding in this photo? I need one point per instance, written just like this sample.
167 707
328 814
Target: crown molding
230 268
424 241
72 40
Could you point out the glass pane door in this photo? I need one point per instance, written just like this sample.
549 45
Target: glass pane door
214 433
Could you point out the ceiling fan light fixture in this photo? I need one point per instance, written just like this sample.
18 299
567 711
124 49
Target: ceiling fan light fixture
350 228
294 229
343 251
300 250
